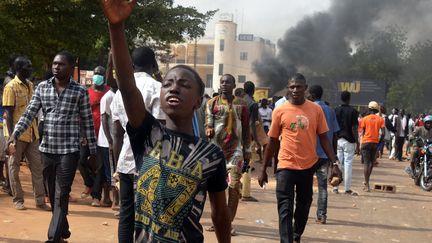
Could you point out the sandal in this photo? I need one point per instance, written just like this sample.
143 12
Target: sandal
210 229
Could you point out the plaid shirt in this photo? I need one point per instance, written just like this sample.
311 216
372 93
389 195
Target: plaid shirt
64 115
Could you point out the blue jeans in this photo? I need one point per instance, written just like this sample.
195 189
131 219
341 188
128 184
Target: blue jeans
289 182
345 154
321 171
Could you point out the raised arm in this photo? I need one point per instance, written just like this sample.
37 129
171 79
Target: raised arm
117 11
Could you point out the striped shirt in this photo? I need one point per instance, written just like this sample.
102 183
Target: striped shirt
64 115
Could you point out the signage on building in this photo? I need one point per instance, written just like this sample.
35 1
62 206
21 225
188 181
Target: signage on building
86 77
363 91
246 37
226 17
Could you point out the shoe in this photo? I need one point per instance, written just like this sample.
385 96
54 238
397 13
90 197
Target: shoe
43 207
249 199
336 191
86 192
117 214
321 221
210 229
233 232
115 207
349 192
96 203
20 206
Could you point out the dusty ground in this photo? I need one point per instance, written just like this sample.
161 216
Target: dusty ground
404 216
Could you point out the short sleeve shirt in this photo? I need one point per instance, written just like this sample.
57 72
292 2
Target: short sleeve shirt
175 171
299 126
17 94
332 124
105 109
150 90
371 124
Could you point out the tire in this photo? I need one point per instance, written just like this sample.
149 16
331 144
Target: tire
425 185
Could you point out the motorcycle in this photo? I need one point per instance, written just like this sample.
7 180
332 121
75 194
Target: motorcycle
423 165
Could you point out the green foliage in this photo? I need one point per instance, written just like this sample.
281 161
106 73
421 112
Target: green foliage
40 29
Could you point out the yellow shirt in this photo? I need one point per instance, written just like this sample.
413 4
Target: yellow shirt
18 95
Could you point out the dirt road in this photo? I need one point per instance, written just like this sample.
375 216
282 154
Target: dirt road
404 216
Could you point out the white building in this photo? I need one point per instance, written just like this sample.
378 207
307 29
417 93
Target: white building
227 52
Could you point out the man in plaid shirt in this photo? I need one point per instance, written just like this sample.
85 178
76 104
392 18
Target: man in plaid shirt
66 108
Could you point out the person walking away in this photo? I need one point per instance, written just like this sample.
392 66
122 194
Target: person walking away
348 140
174 167
372 126
323 164
16 97
227 125
258 139
298 122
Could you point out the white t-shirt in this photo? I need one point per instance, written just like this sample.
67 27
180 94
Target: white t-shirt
150 90
105 104
266 115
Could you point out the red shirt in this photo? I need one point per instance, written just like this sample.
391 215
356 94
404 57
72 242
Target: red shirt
95 98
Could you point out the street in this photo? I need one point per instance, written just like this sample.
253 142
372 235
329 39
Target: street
404 216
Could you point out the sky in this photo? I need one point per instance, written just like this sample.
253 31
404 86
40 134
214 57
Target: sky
268 19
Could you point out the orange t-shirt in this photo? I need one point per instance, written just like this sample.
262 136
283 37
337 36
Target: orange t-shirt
371 124
299 126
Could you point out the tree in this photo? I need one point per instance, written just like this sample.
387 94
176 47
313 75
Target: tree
40 29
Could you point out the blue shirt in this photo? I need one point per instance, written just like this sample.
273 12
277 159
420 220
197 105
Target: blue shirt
332 124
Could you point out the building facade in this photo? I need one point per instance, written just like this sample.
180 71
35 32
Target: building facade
227 52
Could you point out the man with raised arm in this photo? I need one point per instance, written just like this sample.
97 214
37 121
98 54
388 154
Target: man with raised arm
175 169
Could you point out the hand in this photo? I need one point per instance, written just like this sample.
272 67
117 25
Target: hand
84 141
263 178
117 11
10 146
245 167
357 149
210 132
92 162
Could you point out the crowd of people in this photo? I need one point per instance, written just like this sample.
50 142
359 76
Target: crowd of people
154 147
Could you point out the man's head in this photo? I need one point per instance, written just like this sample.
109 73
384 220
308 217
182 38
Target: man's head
402 112
181 92
374 107
395 111
99 76
23 67
144 60
316 92
264 103
249 88
296 89
227 84
346 97
63 65
428 122
239 92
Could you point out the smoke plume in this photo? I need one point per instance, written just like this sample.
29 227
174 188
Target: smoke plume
326 39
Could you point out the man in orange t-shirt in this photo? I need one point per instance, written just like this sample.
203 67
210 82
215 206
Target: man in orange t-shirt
297 122
370 126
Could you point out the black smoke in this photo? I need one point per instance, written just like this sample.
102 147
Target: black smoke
327 39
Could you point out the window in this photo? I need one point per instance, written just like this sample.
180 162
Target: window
221 69
210 57
243 56
222 45
209 81
241 78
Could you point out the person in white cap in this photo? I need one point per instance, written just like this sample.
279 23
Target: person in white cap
370 127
